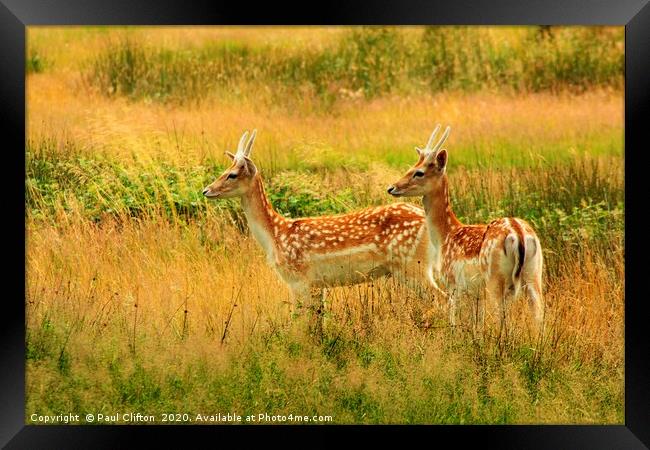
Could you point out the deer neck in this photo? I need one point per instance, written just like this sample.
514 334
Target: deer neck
263 220
441 220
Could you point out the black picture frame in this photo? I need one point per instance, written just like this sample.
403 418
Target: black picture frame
16 15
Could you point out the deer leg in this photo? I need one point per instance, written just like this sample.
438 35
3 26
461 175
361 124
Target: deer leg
453 300
421 288
482 302
503 308
495 291
535 302
477 319
317 309
300 298
424 280
532 281
321 307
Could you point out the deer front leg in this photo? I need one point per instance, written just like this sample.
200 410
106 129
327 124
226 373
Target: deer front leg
452 294
300 296
310 299
317 311
452 299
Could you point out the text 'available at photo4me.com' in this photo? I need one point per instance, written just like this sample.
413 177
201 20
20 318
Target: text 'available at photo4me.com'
142 418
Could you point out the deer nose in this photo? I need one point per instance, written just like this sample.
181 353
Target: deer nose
391 189
205 191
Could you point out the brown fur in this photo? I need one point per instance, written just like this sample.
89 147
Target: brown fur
331 250
467 254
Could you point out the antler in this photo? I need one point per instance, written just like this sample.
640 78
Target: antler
249 146
242 141
435 131
429 152
245 146
442 140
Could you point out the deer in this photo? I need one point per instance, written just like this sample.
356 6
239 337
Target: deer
312 254
503 257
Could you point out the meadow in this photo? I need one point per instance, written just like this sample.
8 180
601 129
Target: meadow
143 296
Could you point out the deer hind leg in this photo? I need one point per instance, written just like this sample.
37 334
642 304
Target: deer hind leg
532 279
535 302
535 298
496 296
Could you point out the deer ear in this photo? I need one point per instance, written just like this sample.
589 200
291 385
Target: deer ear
250 166
230 155
422 154
441 159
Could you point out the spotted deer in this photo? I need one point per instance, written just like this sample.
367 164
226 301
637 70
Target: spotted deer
504 256
314 253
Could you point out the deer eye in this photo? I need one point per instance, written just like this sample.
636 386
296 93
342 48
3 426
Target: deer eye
232 175
418 173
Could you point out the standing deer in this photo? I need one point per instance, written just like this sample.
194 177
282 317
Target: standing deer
505 255
313 253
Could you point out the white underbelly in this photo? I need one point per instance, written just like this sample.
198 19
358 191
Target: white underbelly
337 269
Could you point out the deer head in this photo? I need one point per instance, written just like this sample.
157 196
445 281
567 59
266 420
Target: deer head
237 180
427 174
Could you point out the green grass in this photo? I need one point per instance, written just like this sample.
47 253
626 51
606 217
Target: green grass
368 61
59 173
568 202
353 379
35 62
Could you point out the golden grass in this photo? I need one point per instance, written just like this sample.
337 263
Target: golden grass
155 292
172 315
186 136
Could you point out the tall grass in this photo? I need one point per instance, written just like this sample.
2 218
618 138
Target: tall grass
369 62
153 315
142 295
581 200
